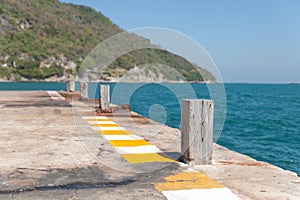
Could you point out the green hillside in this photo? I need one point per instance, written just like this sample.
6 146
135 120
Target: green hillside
43 39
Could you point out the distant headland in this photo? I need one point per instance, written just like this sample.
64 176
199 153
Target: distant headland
48 41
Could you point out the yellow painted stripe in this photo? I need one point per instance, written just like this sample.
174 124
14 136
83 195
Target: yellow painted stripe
105 125
187 181
115 132
131 158
145 158
128 143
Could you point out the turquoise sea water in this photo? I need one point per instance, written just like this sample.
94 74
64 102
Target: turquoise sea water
262 120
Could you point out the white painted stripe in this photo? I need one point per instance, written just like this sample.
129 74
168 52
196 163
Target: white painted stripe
78 103
113 128
54 95
101 122
58 98
203 194
94 117
122 137
138 149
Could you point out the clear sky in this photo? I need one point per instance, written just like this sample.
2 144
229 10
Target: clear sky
249 40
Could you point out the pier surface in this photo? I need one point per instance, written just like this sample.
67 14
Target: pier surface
56 148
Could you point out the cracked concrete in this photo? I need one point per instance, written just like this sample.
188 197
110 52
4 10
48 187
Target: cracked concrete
47 152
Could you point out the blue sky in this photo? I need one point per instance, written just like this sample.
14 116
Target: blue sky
249 40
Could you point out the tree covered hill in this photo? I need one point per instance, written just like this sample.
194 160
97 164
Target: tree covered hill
47 39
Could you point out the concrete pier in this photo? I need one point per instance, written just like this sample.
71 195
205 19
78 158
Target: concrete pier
58 148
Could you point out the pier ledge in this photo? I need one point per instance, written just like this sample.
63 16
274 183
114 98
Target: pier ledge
48 150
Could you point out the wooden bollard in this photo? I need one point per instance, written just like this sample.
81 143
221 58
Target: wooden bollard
104 98
197 131
70 85
84 95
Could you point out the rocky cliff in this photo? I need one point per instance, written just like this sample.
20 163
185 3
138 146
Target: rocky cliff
48 40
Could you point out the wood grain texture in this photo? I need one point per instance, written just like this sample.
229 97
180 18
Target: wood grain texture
104 97
197 131
70 85
84 91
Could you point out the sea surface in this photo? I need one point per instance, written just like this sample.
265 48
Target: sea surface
262 120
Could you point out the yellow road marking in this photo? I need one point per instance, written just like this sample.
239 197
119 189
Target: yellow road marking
187 181
131 158
128 143
105 125
115 132
145 157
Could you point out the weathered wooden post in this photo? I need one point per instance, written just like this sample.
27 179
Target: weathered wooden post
84 91
70 82
70 86
197 131
104 98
